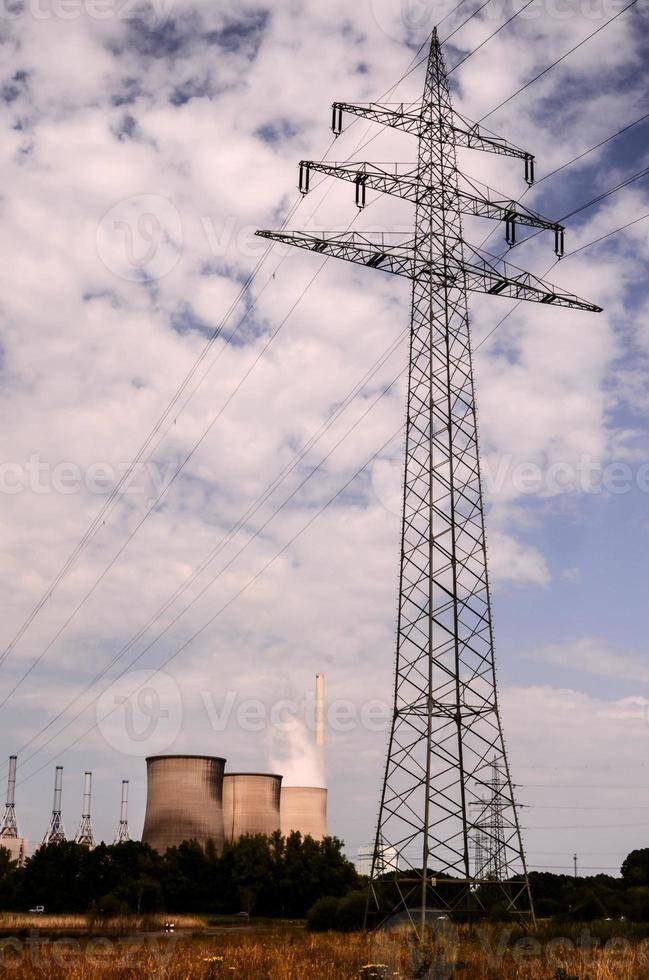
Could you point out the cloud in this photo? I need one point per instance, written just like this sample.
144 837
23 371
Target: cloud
210 110
511 561
592 655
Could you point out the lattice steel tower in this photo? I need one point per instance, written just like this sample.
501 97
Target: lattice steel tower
9 824
55 833
123 835
446 730
85 833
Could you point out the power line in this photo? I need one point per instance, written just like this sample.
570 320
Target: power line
568 254
187 459
569 163
638 175
96 523
179 469
567 867
593 826
244 518
549 806
559 60
598 786
609 234
464 22
237 595
99 520
449 36
497 31
597 146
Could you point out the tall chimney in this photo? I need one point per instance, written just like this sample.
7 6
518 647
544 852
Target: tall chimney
319 710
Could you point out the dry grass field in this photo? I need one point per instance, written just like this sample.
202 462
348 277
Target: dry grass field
293 954
22 922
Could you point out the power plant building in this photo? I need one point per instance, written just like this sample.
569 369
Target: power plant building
304 809
251 804
184 801
17 847
191 797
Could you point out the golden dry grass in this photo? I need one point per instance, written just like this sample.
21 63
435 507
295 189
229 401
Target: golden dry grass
292 954
21 922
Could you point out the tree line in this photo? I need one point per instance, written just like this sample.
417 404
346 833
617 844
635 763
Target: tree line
273 876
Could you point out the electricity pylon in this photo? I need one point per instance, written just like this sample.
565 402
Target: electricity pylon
85 833
123 835
9 824
55 833
446 728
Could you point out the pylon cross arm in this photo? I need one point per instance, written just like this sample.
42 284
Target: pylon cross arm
498 278
470 135
408 186
493 277
397 118
353 247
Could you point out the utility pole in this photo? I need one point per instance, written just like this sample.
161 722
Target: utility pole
123 835
9 825
575 858
85 833
55 833
446 727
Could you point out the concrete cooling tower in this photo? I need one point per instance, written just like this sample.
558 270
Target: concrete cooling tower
250 804
304 808
184 801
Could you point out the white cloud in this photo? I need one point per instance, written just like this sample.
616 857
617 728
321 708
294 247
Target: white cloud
594 656
89 359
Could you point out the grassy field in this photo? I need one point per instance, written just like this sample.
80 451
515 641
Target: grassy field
22 923
202 951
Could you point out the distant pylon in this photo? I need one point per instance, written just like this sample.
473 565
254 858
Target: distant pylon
9 825
55 833
123 835
490 835
84 834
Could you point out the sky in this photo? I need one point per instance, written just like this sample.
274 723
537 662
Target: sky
142 147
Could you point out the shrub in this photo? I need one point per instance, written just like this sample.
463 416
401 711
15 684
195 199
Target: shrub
323 914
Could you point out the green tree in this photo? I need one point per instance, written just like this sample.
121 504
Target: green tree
635 868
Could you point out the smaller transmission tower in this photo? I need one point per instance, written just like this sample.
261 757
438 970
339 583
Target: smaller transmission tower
55 833
9 825
85 835
123 835
490 830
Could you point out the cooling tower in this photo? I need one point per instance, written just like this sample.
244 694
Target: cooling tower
250 804
184 801
304 808
17 847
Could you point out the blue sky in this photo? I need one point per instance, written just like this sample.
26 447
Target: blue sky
139 156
